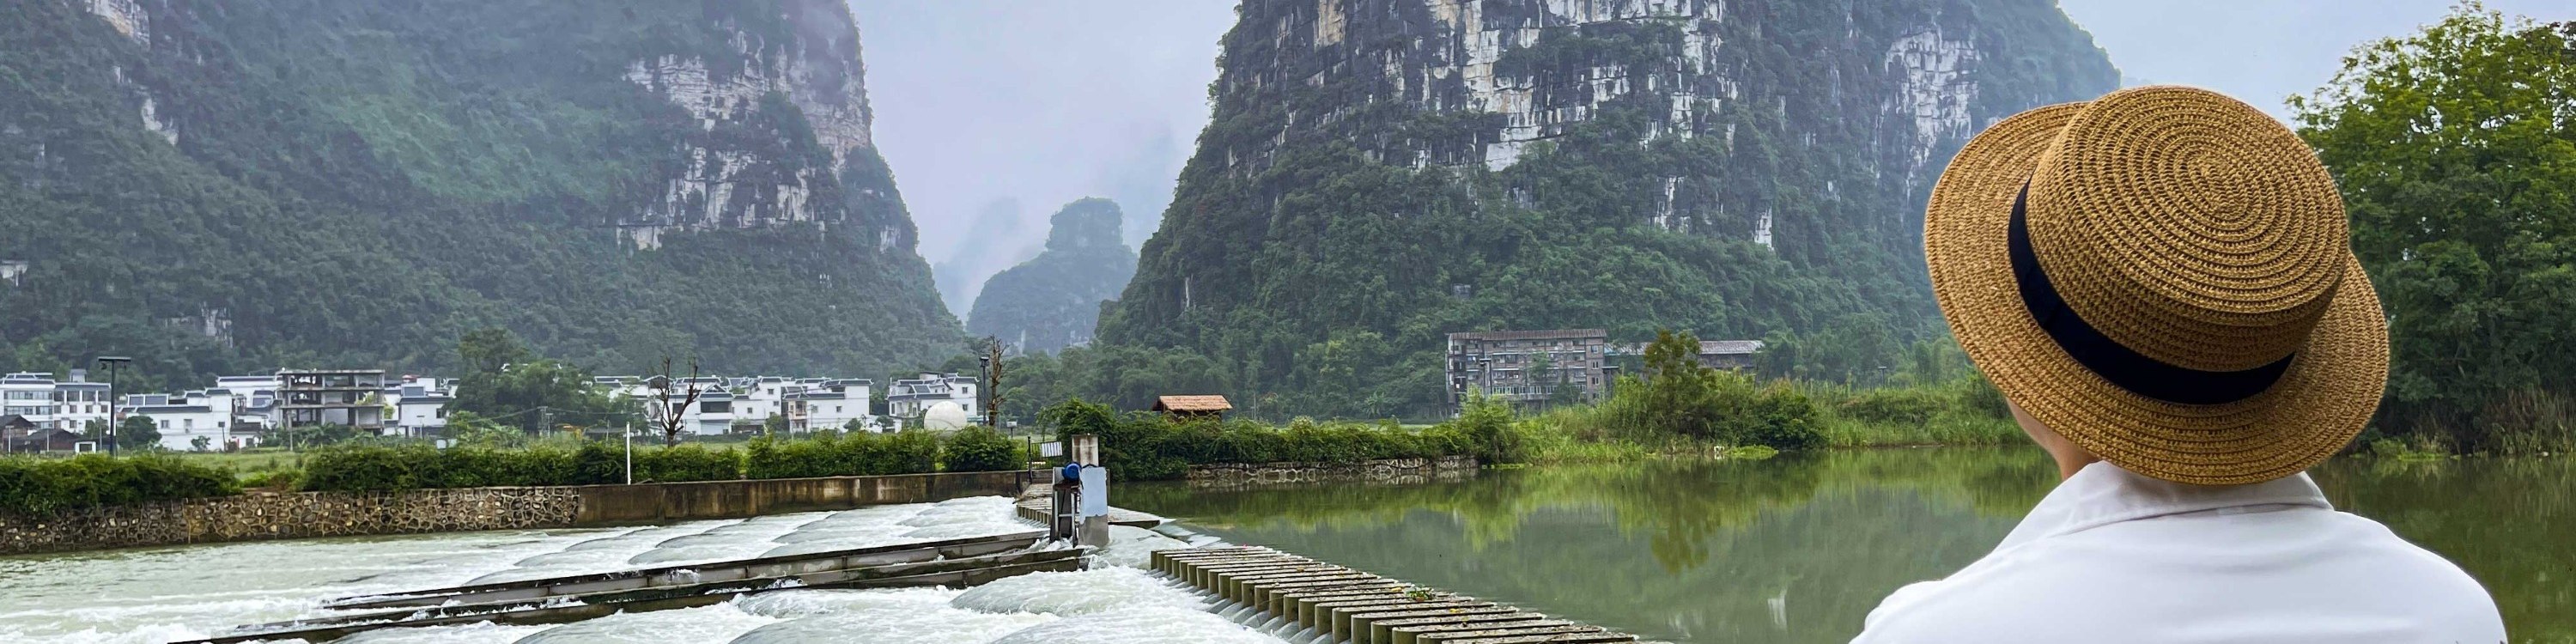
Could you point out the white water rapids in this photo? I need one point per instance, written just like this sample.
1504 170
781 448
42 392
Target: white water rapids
163 594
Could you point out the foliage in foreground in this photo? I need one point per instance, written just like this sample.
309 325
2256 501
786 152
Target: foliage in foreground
41 486
2456 155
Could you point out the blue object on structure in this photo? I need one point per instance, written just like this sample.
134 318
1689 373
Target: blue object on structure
1073 472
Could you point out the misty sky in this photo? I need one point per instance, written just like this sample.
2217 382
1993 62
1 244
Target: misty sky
981 101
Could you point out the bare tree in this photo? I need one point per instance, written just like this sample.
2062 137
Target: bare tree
671 414
993 389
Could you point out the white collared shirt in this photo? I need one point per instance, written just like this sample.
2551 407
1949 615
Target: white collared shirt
2112 556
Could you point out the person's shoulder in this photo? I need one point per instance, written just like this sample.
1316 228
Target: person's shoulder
2427 578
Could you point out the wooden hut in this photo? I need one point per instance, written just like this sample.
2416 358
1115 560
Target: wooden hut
1193 407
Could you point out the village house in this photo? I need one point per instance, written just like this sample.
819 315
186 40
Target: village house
184 418
420 407
911 397
830 404
346 397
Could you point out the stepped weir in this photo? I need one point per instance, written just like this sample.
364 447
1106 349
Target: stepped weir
1308 601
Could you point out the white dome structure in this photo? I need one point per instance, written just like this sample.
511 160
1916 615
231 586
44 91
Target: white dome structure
943 416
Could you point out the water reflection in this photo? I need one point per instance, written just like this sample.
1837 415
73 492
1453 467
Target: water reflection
1799 549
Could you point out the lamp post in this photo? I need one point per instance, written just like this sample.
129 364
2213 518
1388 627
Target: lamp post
109 434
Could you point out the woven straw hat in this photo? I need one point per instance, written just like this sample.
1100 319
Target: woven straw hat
2162 276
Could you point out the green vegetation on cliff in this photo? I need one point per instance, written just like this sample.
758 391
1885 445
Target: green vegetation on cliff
1337 221
1050 302
224 189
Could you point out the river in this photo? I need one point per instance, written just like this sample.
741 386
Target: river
1792 549
1799 549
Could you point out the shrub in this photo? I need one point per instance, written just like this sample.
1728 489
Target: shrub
911 451
686 463
1906 406
43 487
1145 446
980 449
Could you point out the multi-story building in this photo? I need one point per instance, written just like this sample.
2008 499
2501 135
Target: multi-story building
830 404
78 402
184 418
1527 366
29 395
346 397
420 407
909 397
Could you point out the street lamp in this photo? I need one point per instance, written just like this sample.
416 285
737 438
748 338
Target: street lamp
109 434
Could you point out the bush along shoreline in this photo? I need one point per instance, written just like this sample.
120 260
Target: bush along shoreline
1145 446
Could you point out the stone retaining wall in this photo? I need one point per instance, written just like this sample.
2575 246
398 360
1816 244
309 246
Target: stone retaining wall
277 515
1393 470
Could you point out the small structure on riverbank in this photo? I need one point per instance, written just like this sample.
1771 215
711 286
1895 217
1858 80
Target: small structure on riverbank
1185 408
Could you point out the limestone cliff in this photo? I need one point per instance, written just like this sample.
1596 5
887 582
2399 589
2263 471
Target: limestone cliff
239 186
1051 301
1391 170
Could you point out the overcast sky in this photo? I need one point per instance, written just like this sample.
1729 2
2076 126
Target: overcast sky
2259 51
1044 102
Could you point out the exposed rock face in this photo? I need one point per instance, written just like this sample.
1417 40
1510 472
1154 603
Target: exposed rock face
1379 172
736 182
357 183
1052 301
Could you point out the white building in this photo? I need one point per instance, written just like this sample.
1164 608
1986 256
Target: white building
31 395
831 404
909 397
77 403
420 407
184 418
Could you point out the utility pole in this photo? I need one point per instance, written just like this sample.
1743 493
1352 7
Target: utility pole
109 434
630 452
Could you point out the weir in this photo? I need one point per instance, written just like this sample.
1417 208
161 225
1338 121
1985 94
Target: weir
1311 602
952 563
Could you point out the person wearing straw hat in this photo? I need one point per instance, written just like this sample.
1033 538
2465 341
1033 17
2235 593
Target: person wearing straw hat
2160 282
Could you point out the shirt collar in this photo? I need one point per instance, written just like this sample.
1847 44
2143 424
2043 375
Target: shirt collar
2102 494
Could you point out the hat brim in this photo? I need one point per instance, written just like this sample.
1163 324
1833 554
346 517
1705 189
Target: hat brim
2329 392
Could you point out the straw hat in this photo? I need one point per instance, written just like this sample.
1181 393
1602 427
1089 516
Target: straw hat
2162 276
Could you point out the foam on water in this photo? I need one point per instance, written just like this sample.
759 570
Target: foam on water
1077 593
1139 624
478 633
716 623
1132 547
906 615
164 594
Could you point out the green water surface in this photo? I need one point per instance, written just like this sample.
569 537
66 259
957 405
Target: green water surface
1800 548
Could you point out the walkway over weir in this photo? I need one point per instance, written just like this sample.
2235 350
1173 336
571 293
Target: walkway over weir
1337 604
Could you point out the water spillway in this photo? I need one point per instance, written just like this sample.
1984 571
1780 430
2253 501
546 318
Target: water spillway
1307 601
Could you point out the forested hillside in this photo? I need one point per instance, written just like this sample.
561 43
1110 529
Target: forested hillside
235 186
1050 302
1378 173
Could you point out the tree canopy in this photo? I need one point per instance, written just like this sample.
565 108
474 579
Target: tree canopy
2455 149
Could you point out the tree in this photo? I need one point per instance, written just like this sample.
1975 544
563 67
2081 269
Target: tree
2455 149
539 395
669 414
201 443
774 425
488 349
138 432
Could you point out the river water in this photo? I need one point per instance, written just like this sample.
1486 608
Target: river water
163 594
1799 549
